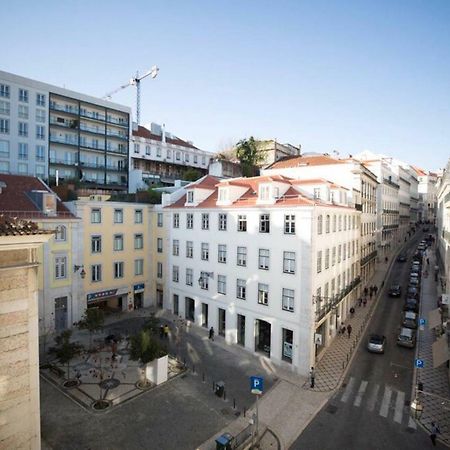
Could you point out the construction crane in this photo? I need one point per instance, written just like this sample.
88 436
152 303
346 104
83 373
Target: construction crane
135 81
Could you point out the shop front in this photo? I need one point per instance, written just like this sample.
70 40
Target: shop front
110 300
138 290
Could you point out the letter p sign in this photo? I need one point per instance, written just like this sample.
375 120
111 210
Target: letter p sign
256 385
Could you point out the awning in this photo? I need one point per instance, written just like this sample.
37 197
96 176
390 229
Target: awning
434 318
440 351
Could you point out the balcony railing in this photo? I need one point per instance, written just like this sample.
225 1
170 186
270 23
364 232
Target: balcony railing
368 257
92 115
63 108
84 127
92 146
63 162
112 133
60 140
116 121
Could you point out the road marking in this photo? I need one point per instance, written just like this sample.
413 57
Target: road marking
412 423
348 390
384 410
361 391
373 398
399 403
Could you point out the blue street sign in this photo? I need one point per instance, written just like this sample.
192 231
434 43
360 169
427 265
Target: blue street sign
422 322
419 363
256 385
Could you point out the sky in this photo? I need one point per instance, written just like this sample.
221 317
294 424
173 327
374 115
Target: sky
344 75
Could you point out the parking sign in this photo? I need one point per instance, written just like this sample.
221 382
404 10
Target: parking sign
256 385
419 363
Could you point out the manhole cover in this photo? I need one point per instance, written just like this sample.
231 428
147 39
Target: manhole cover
100 405
109 384
331 409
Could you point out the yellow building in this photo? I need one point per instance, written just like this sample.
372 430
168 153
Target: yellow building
160 247
115 249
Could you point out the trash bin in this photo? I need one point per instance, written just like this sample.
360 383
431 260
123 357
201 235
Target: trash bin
223 442
220 388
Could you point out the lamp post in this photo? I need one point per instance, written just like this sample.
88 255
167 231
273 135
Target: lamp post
82 271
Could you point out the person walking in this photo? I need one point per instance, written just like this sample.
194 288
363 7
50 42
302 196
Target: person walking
349 330
166 331
312 377
434 432
365 301
211 333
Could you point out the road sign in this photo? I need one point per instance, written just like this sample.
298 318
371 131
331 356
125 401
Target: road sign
257 385
419 363
422 322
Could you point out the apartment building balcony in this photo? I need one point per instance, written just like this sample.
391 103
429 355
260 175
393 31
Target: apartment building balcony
88 129
60 140
111 149
116 121
114 168
92 145
70 124
117 134
368 258
62 162
73 110
92 165
93 115
390 227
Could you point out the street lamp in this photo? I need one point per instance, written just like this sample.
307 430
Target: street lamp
82 272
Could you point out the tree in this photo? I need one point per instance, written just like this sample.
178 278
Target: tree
191 174
65 350
154 197
249 155
145 348
92 321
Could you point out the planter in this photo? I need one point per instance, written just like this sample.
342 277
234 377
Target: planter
156 371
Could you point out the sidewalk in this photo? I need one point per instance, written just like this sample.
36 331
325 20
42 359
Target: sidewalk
436 388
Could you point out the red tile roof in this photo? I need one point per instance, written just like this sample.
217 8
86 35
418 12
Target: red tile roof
147 134
15 200
298 161
419 171
319 181
16 227
207 182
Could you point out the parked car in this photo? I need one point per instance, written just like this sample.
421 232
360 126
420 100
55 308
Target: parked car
395 290
402 257
415 269
406 338
376 343
414 281
411 304
413 292
409 320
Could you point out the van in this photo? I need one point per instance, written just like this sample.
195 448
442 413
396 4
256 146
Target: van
406 338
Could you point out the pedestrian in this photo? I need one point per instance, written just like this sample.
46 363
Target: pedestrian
360 301
211 333
366 291
312 377
161 331
375 289
342 329
352 311
365 302
370 295
434 432
428 261
166 331
349 330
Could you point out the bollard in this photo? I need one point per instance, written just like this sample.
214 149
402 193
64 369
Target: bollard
203 377
245 411
234 403
214 386
193 368
224 394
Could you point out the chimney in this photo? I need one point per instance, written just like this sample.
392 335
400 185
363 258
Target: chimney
299 149
164 132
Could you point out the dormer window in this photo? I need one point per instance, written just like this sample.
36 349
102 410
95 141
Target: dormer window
316 193
223 194
190 196
264 192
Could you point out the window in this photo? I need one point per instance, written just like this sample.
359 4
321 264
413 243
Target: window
23 95
190 197
159 270
334 223
60 267
4 90
316 193
175 247
175 274
138 267
319 224
319 261
340 223
96 272
204 280
159 245
205 251
118 216
189 249
339 253
264 192
264 223
240 288
96 215
22 168
136 148
327 258
138 216
289 224
4 126
40 99
4 167
4 149
327 224
222 253
23 151
61 233
176 220
242 223
222 284
289 262
23 129
263 259
159 221
263 294
40 153
22 112
118 269
242 256
96 244
333 257
178 156
118 242
205 221
169 154
287 300
4 108
138 241
222 222
189 276
158 152
189 221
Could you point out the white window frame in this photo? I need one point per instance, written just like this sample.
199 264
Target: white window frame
289 262
119 269
60 267
222 222
205 221
221 284
96 273
205 251
138 241
138 267
222 253
242 223
241 289
263 294
288 299
241 256
263 258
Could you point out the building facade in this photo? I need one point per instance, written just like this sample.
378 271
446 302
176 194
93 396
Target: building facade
427 195
443 227
269 266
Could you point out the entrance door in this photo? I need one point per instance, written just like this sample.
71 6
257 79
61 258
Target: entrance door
60 313
222 322
286 351
241 330
175 304
262 336
159 298
190 308
205 315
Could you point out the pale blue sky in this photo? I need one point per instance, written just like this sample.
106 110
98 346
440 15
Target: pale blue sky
331 75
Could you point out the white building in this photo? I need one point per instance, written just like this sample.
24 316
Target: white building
158 157
362 193
46 130
269 266
427 195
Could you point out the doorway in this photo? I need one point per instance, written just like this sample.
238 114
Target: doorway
175 304
288 336
159 297
263 332
241 330
60 313
222 322
205 315
189 308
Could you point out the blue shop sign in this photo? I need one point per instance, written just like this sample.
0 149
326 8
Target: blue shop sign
102 294
139 288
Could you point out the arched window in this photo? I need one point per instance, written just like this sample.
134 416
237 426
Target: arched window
319 224
61 232
327 224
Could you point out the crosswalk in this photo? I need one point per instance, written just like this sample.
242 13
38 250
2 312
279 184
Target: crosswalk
388 402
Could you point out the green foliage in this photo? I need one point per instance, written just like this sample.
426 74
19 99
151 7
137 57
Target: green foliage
92 321
145 348
154 197
152 325
249 156
191 174
64 349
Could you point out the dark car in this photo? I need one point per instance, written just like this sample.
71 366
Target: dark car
402 257
414 281
413 292
395 290
411 304
409 320
376 343
415 269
